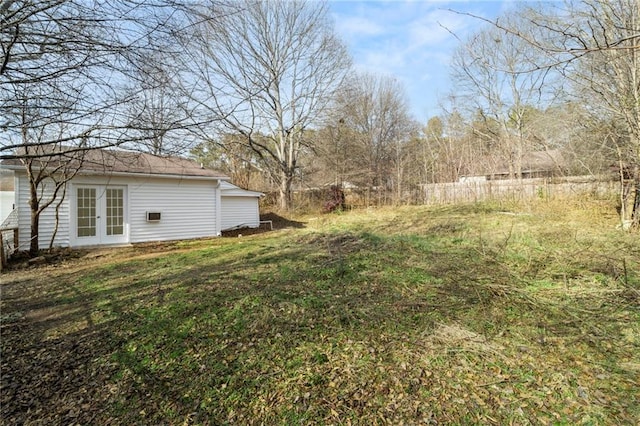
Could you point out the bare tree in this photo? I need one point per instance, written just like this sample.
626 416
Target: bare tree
45 117
91 51
375 109
66 68
45 56
448 152
160 112
48 175
230 155
268 68
332 155
609 77
493 70
595 44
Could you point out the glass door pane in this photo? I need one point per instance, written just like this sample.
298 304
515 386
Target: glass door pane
115 211
86 212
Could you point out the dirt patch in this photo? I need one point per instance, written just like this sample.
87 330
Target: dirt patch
276 222
22 260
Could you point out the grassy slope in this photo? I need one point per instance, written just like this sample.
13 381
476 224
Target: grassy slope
469 314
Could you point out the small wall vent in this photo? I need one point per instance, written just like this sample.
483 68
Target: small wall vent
153 216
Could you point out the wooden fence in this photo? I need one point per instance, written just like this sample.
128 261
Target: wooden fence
460 192
518 189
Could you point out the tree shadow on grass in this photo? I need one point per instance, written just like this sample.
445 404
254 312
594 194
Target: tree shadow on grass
60 379
198 334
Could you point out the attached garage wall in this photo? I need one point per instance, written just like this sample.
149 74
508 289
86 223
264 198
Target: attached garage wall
187 207
240 212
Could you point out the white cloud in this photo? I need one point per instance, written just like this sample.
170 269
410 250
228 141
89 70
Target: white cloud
384 61
357 26
411 40
435 28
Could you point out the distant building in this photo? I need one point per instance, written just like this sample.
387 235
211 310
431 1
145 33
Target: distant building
534 164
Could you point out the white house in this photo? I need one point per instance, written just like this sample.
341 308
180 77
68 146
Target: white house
120 197
240 207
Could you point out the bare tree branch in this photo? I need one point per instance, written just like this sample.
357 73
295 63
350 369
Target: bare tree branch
266 70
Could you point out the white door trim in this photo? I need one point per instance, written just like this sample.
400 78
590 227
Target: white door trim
97 215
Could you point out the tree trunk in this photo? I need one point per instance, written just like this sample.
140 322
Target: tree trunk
635 213
35 226
34 204
284 192
57 221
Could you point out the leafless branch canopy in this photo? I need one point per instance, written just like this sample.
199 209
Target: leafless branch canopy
70 69
267 68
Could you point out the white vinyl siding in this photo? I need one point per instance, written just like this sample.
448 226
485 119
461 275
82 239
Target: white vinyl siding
187 207
47 217
240 212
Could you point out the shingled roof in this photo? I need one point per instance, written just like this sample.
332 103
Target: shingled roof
120 162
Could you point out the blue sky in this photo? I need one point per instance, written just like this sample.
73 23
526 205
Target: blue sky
410 40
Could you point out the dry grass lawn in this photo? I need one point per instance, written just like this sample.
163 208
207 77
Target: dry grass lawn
471 314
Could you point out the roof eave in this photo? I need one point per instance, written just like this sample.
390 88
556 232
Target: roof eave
155 175
130 174
247 194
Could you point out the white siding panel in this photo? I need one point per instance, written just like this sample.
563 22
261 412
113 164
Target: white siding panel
240 212
188 209
47 217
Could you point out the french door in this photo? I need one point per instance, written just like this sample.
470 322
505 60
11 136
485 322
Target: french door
100 214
